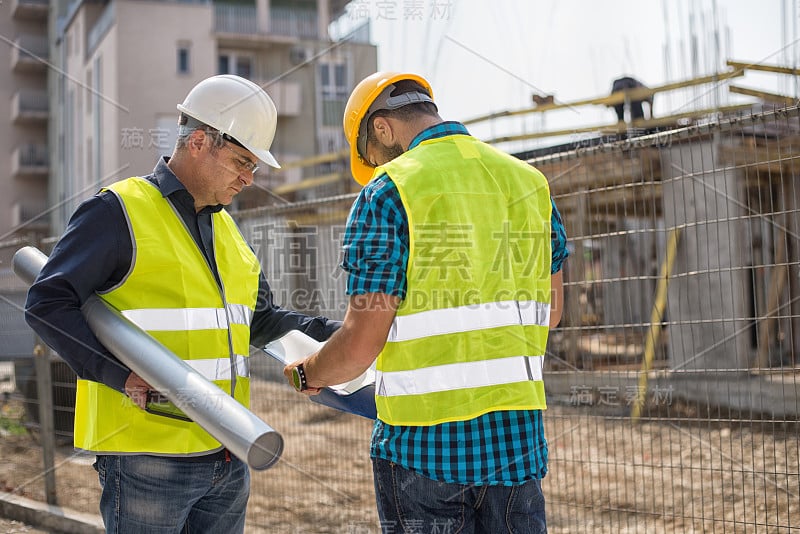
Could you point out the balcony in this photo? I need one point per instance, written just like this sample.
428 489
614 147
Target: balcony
30 161
25 51
30 106
230 18
286 95
238 20
30 9
293 23
28 215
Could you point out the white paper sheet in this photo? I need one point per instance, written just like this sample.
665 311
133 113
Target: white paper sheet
295 345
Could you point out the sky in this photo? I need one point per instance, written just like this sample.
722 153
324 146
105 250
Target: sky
486 56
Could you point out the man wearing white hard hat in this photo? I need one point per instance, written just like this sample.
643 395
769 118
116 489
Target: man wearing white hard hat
162 249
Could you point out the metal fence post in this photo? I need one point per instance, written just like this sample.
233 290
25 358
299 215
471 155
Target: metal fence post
44 387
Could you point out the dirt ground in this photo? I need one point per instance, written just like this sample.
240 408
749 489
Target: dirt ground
606 473
9 526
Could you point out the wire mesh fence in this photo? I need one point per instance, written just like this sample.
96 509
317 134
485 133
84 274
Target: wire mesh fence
673 378
677 359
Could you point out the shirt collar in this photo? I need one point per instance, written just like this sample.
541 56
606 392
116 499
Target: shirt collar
439 130
171 186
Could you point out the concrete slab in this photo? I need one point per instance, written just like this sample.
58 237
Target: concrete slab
49 517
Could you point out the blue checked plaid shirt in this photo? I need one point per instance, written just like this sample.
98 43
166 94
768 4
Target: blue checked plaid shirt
497 448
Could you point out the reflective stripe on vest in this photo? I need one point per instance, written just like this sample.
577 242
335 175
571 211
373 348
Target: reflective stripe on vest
459 376
470 335
471 317
165 319
220 369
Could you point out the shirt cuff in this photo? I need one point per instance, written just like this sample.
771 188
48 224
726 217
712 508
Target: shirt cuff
115 374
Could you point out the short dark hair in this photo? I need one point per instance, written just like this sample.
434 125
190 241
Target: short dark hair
406 113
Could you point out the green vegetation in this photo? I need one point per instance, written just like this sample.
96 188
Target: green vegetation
11 417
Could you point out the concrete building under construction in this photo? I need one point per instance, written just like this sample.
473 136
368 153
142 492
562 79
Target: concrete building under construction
684 237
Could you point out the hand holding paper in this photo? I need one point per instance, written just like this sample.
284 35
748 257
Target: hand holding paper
356 396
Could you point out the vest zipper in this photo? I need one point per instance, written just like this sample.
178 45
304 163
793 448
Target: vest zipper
231 352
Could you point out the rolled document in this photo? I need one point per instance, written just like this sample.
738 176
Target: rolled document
356 396
237 428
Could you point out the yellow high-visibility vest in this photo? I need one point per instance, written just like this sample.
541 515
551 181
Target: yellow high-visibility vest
469 338
171 293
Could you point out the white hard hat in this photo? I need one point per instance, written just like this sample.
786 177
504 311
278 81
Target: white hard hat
237 107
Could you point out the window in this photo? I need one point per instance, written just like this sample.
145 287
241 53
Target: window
89 162
183 59
97 126
88 91
77 42
223 64
334 92
244 67
235 63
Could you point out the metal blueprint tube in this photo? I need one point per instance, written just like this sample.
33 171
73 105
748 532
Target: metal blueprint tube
237 428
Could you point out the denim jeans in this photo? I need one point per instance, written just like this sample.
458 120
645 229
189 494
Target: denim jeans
159 495
411 503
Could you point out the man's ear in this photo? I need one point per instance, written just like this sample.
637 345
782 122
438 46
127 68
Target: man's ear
383 131
197 140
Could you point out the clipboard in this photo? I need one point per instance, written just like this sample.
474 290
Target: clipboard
356 396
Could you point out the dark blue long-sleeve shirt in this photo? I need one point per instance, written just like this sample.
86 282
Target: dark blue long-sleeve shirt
95 253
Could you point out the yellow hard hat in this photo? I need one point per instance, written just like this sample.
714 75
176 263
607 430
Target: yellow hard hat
364 101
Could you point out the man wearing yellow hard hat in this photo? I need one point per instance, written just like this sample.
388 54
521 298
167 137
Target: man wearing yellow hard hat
453 252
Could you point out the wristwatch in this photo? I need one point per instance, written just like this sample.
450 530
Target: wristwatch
299 378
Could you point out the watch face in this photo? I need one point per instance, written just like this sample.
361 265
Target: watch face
298 384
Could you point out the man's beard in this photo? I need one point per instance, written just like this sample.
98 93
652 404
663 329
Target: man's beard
388 153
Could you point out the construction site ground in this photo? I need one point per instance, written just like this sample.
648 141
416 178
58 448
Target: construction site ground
9 526
606 474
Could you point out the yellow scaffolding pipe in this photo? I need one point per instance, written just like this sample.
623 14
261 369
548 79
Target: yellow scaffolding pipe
617 97
620 127
742 66
314 160
782 100
308 183
655 323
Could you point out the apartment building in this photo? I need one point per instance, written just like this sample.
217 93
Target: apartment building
118 68
24 108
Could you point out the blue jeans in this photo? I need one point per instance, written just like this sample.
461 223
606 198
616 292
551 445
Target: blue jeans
411 503
159 495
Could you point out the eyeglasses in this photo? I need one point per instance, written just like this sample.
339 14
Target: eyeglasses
244 164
